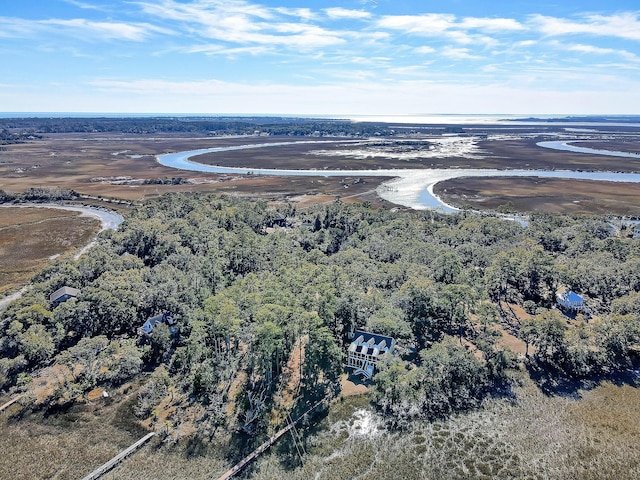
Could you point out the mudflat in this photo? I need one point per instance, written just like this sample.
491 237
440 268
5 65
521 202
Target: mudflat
530 194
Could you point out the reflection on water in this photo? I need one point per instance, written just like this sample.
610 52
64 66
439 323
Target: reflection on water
411 188
567 147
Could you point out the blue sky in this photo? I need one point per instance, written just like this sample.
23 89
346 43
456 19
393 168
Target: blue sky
334 58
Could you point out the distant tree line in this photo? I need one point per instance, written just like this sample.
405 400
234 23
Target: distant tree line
18 129
39 195
8 137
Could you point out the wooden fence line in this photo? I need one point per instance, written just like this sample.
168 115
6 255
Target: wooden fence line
258 451
97 473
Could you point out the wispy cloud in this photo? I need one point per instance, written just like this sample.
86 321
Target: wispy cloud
89 30
338 13
594 50
372 96
107 30
85 5
491 25
425 49
476 31
434 24
17 27
244 23
230 52
459 53
623 25
303 13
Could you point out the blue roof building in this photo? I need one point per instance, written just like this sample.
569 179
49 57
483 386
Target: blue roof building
569 300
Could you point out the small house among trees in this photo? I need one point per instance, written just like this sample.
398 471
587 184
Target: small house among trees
571 301
365 351
279 219
63 294
153 322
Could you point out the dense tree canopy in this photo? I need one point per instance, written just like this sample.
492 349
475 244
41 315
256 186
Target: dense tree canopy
262 315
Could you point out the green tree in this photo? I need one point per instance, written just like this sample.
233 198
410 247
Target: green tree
322 359
454 379
36 344
548 335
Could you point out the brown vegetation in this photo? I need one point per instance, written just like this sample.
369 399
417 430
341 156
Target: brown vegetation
67 444
29 237
117 165
530 194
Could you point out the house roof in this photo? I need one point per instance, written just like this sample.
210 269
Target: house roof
572 297
152 322
62 292
377 339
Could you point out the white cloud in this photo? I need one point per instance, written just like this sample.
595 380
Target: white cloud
413 70
90 30
304 13
425 49
343 13
467 31
84 5
205 12
602 51
464 38
17 27
490 69
495 25
244 23
107 30
226 51
459 53
623 25
433 24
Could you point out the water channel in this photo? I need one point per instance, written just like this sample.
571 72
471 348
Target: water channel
410 187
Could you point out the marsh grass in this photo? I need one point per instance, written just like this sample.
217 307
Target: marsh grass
593 435
534 436
29 237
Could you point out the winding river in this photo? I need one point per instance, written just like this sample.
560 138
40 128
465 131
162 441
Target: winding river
410 187
568 147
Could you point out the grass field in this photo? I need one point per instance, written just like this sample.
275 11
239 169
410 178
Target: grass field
30 237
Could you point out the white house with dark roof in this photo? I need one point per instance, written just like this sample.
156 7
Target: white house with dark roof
366 350
63 294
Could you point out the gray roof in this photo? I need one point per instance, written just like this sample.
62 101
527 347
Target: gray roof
63 292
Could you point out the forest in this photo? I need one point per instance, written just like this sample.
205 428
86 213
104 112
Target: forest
262 313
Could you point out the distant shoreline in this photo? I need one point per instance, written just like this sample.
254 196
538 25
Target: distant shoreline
415 119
